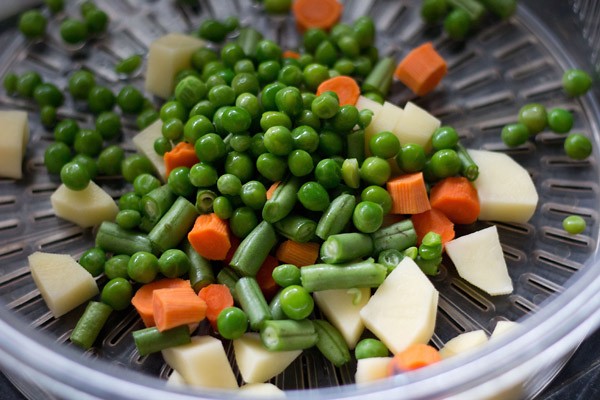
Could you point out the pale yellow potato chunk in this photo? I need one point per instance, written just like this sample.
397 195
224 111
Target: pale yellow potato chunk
202 363
371 369
463 343
503 327
256 363
262 390
62 282
14 136
86 208
416 125
167 56
144 143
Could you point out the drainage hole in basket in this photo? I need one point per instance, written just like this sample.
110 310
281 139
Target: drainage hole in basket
554 261
473 298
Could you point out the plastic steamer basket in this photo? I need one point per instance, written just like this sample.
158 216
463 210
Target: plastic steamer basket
505 65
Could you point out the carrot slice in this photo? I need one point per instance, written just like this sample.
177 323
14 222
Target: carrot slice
299 254
182 155
345 87
422 69
210 237
456 197
142 300
433 221
290 54
272 189
322 14
217 297
415 356
174 307
264 277
409 194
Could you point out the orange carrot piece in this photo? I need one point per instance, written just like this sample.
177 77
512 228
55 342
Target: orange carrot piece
142 300
422 69
264 277
409 194
272 189
290 54
345 87
322 14
174 307
182 155
456 197
415 356
210 237
299 254
217 297
433 221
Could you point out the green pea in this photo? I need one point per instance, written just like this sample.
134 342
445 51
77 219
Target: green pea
48 116
231 53
145 183
10 83
142 267
278 140
173 109
179 182
364 118
212 30
74 176
286 275
240 142
203 175
73 31
444 137
203 56
32 24
128 219
369 347
100 99
268 71
433 10
514 135
300 163
81 83
204 108
384 144
190 90
250 103
242 221
135 165
411 158
560 120
232 323
378 195
108 124
277 6
245 82
162 145
88 141
574 224
268 94
330 144
244 65
349 46
312 38
576 82
66 130
253 194
229 184
326 53
578 146
305 138
96 21
271 166
291 75
375 170
267 50
314 74
236 120
221 95
130 201
27 83
534 117
130 100
257 145
88 163
116 267
328 173
296 302
313 196
325 106
110 159
344 66
289 101
445 163
129 65
222 207
240 165
367 216
173 263
270 119
117 293
47 94
93 261
457 24
362 66
172 129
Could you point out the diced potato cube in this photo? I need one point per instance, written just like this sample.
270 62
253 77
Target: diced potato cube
262 390
463 343
339 308
87 207
14 136
62 282
175 379
256 363
505 189
503 327
144 143
167 56
416 126
385 120
202 363
371 369
479 260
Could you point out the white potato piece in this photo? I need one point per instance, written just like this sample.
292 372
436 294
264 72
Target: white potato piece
371 369
416 126
463 343
144 143
262 390
384 120
87 207
14 136
62 282
503 327
479 260
403 309
505 189
202 363
338 307
364 103
175 379
167 56
256 363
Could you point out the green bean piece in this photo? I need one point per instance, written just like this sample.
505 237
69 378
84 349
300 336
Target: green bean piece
129 65
399 236
254 249
113 239
145 183
228 277
296 227
344 247
468 167
283 200
331 343
336 217
90 324
355 143
277 313
252 301
429 267
151 340
248 40
173 226
284 335
380 78
200 269
204 200
342 276
157 202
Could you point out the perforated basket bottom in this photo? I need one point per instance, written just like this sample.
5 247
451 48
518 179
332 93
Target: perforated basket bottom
504 66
